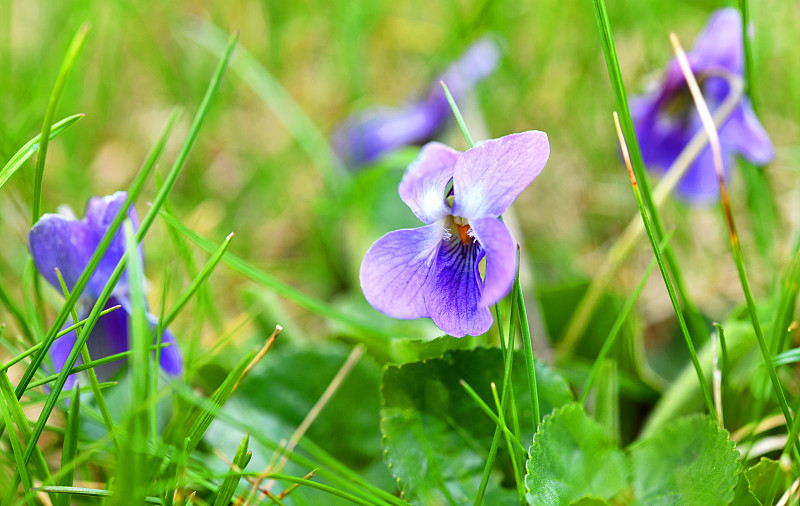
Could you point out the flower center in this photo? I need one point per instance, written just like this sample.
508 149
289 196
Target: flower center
463 229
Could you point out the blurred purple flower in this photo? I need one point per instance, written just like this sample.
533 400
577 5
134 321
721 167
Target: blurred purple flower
435 271
666 119
365 136
62 241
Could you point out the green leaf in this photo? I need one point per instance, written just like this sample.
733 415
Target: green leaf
742 496
762 476
572 457
690 461
436 438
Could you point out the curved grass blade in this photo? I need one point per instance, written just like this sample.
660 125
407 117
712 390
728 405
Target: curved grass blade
32 146
71 57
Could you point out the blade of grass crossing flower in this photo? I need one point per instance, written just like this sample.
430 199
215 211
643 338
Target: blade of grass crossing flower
695 320
629 239
70 448
663 268
71 57
240 461
143 229
133 192
310 303
457 114
612 334
738 257
93 382
89 365
30 351
32 146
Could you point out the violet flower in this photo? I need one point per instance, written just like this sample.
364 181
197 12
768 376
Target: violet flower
436 271
666 119
62 241
367 135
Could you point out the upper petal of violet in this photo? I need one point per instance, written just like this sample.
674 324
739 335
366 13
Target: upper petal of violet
396 270
720 42
58 241
426 179
490 176
500 252
100 213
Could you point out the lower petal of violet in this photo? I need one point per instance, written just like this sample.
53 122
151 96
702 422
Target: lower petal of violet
398 267
745 135
454 293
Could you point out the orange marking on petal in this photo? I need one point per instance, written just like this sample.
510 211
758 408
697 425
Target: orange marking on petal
463 232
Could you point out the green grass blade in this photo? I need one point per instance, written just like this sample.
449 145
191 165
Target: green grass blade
158 202
70 448
459 117
33 349
612 334
240 461
664 273
16 447
695 320
246 269
201 277
491 414
89 492
90 365
528 347
71 57
220 397
32 146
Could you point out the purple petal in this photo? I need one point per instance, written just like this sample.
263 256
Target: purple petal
397 268
720 43
59 352
109 337
700 185
100 212
744 133
366 136
57 241
490 176
501 258
426 179
170 359
453 296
